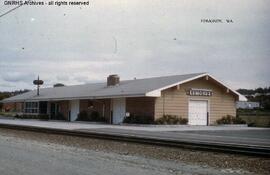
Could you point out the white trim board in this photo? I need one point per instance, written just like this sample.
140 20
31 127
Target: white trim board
157 92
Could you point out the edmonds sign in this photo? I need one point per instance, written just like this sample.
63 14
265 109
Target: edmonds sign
199 92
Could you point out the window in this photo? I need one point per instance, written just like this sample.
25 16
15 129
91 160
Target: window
31 107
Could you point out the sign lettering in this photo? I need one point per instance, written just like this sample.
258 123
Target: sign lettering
199 92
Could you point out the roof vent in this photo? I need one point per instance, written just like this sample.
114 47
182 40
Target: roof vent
113 80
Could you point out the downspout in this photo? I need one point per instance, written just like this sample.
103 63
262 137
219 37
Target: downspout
103 110
49 109
111 111
163 104
24 107
38 107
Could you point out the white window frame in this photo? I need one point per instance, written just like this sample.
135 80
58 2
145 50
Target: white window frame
30 108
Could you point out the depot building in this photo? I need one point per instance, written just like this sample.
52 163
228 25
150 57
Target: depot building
199 97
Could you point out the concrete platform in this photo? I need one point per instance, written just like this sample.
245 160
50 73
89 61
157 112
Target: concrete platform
89 125
235 139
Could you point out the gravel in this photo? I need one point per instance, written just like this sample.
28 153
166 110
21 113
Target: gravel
225 163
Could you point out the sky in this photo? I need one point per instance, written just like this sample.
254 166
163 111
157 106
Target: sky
138 38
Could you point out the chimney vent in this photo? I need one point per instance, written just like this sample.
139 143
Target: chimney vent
58 85
113 80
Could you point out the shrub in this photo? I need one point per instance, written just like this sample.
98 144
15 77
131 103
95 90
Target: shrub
33 116
225 120
251 124
60 116
229 119
137 119
184 121
83 116
171 120
93 116
8 114
238 120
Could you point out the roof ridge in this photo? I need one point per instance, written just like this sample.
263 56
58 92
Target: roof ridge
167 76
126 80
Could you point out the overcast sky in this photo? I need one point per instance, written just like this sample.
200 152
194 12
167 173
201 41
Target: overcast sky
142 38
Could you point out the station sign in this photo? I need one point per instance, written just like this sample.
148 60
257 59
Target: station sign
199 92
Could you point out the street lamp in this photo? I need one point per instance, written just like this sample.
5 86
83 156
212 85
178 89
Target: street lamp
38 82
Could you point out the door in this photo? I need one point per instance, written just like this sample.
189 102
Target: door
43 105
197 112
119 110
74 109
54 111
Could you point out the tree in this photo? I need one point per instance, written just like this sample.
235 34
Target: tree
6 94
263 98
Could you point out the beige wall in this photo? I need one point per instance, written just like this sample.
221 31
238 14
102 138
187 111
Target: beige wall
175 101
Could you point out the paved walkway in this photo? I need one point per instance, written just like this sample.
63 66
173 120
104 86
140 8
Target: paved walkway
231 137
85 125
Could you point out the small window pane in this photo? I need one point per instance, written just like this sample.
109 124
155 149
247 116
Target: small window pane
31 107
